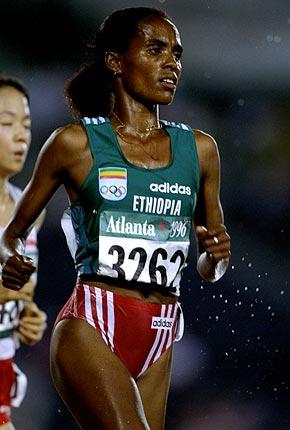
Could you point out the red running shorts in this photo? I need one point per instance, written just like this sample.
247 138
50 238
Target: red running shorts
137 332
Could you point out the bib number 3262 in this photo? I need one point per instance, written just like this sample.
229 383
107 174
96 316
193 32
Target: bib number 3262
148 250
160 266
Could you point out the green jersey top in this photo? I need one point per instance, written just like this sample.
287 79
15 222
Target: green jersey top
130 222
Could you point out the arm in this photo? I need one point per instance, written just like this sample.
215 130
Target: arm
49 172
40 220
213 241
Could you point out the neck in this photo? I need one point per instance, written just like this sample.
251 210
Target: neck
149 128
3 185
135 116
133 113
4 198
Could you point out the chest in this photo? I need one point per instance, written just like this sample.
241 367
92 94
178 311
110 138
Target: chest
167 184
152 153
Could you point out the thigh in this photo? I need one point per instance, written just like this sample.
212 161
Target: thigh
154 388
94 384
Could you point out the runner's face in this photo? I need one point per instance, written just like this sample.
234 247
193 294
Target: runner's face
15 130
151 67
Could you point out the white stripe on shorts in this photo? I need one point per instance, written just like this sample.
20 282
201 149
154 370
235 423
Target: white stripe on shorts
155 344
164 334
99 309
88 306
169 341
111 318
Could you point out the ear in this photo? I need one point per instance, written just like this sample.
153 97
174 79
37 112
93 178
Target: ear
112 61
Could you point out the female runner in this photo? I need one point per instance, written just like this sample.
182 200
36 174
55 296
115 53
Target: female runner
137 186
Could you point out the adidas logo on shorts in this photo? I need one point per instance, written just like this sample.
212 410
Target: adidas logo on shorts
163 323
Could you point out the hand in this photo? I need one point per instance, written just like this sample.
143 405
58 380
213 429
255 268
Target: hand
32 324
16 271
216 242
26 293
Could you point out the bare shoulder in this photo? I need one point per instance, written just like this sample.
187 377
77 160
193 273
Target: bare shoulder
205 141
68 138
207 150
65 145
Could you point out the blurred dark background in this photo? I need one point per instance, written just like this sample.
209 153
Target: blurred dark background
231 370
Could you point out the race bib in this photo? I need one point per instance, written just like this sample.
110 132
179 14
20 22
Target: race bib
9 315
143 247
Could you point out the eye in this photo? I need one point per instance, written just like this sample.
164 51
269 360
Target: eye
154 50
6 124
177 55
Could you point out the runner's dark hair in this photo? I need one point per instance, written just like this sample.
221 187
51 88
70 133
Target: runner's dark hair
89 91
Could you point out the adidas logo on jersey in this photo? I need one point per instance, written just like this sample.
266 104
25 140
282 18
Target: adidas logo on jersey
168 188
163 323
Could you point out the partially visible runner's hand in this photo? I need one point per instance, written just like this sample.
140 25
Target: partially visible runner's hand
32 324
16 271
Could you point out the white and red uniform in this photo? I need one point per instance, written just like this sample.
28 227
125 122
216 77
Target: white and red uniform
12 393
122 321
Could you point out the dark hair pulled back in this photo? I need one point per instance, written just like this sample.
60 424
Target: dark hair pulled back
89 91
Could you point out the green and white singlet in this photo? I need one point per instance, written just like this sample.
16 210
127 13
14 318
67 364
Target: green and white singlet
130 222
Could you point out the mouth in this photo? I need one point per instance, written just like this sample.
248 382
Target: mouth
19 155
169 82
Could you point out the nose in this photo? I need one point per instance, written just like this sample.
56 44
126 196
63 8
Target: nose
172 63
22 134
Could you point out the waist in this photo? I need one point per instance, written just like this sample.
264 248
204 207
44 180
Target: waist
153 293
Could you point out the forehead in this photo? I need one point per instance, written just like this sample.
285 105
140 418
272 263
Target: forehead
158 28
12 100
